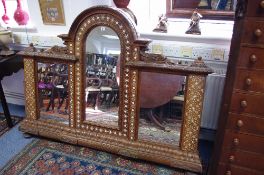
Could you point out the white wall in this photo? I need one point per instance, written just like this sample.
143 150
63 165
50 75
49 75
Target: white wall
72 8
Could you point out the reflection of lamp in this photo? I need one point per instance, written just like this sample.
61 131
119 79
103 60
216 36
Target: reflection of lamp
5 18
111 37
20 16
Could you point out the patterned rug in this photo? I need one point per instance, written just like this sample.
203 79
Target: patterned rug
3 125
49 157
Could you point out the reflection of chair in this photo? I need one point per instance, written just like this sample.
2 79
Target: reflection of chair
92 91
106 90
62 89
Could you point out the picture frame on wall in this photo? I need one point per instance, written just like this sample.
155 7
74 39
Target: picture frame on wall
52 12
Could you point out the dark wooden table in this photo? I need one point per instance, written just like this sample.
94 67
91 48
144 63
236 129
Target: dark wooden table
9 64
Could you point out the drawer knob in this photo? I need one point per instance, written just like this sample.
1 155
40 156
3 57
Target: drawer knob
248 81
253 58
228 172
236 141
258 33
243 103
240 123
232 158
262 4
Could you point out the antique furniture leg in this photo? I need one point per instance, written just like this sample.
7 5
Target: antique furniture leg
5 107
152 116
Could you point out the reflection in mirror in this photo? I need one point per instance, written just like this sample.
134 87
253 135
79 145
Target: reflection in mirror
53 92
227 5
161 108
102 77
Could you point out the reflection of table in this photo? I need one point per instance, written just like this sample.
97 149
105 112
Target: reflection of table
8 65
157 89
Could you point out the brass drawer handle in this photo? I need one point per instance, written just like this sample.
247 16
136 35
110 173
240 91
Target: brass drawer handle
253 58
258 33
232 158
262 4
240 123
243 103
236 141
228 172
248 81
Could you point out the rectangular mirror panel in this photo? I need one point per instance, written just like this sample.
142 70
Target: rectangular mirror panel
102 77
53 102
161 108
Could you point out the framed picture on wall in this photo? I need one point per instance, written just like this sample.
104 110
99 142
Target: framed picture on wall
52 12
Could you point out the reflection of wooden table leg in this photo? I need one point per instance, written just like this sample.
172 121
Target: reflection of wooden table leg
5 107
153 118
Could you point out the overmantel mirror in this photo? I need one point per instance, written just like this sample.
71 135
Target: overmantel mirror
104 91
210 9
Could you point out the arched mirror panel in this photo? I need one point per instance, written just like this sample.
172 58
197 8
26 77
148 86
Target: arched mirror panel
102 53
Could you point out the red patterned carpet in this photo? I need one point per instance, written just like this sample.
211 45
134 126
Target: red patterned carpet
48 157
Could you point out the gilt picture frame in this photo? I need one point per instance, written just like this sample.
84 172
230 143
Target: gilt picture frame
52 12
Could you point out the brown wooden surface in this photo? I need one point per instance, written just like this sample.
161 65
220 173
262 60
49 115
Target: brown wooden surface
187 12
234 169
240 131
254 78
243 141
244 58
243 158
254 9
255 103
251 123
250 26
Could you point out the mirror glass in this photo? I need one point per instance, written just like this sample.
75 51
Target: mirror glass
53 91
161 107
102 76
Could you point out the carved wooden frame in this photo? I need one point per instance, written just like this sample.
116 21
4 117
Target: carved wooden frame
172 12
122 140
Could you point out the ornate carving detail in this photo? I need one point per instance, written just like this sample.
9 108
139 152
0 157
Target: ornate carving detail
133 105
156 61
114 23
192 113
55 53
71 95
30 90
154 58
199 64
57 50
124 139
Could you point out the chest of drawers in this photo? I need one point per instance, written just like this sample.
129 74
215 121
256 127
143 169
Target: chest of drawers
240 137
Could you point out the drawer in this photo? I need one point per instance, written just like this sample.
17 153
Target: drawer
251 58
255 8
253 32
246 142
243 158
246 124
224 169
247 103
250 80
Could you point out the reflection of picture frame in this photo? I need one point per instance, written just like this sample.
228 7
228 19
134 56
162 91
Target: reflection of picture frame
52 12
